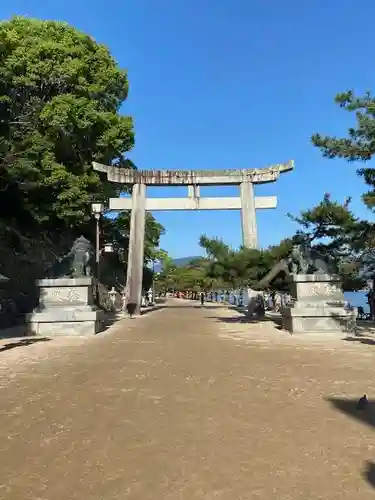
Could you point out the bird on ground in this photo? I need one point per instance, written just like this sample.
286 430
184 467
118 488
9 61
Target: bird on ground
362 403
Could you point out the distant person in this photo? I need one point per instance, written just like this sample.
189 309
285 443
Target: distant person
361 312
202 298
277 302
131 307
370 301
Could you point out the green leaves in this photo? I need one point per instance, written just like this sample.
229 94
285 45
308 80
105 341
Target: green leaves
60 93
235 268
60 96
328 219
54 58
360 143
215 248
330 225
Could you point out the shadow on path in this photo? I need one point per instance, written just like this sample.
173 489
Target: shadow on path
366 416
349 407
153 308
22 343
361 340
181 306
369 473
242 319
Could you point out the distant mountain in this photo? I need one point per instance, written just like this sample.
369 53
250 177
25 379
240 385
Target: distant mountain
181 262
184 261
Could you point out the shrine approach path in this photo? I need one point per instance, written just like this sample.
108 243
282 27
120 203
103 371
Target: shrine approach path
189 403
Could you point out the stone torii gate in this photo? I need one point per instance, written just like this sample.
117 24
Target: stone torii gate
139 203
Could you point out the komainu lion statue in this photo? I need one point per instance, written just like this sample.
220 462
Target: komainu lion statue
305 259
76 263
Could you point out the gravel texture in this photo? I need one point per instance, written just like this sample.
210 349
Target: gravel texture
187 403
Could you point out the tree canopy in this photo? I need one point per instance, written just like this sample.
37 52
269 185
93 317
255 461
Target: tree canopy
61 94
330 226
358 145
360 141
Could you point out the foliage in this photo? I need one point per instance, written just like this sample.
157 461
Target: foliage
167 278
60 95
359 145
223 267
60 99
333 229
157 254
330 226
360 142
364 251
215 247
117 230
192 277
243 267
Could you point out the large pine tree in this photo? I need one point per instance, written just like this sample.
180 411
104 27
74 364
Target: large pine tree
359 145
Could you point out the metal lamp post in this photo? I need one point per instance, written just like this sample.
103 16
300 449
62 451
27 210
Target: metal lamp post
126 235
153 281
97 209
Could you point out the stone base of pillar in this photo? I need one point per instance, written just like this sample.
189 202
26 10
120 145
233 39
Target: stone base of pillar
65 308
317 307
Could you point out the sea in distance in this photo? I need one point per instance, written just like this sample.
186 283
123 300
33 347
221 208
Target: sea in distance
356 299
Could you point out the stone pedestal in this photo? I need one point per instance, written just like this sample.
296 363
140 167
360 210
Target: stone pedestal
65 308
317 305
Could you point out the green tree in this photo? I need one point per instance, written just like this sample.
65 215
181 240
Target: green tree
214 247
233 268
360 142
118 229
332 228
60 95
60 99
166 277
358 145
330 225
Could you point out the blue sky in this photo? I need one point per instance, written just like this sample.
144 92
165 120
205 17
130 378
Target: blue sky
233 84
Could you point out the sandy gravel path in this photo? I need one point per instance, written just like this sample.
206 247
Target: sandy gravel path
187 403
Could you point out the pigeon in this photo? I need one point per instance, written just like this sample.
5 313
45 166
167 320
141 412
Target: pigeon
362 403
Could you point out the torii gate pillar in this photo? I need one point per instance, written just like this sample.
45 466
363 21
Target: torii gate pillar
248 216
134 275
